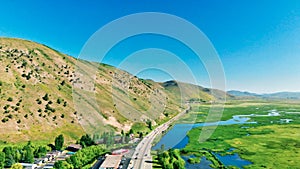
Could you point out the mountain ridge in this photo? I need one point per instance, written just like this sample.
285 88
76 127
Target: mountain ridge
275 95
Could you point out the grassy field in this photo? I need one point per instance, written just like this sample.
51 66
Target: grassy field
270 143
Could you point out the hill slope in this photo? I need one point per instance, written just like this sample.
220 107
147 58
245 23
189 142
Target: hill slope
44 93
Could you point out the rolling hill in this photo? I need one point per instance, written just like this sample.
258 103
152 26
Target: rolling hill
45 93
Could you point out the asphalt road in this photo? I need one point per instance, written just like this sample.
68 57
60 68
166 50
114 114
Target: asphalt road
141 158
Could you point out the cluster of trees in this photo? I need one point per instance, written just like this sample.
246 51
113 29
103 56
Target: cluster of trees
81 158
171 159
11 155
86 141
108 138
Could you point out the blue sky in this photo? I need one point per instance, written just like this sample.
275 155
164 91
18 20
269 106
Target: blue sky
258 41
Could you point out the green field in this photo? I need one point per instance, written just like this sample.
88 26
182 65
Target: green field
271 143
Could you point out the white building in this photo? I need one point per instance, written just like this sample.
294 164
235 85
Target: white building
29 166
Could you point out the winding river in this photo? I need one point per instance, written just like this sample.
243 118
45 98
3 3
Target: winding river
177 136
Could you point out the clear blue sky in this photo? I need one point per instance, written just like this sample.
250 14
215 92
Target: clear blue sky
258 40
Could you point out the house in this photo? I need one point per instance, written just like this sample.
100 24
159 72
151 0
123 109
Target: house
74 147
111 162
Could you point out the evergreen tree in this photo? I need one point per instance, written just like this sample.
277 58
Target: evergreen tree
28 156
9 159
149 123
59 142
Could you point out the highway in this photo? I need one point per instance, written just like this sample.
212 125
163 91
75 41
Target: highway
142 158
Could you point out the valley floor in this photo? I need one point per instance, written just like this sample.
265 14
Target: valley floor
269 139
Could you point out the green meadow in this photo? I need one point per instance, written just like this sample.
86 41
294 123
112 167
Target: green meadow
270 143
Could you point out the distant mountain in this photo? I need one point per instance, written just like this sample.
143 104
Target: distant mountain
278 95
283 95
242 94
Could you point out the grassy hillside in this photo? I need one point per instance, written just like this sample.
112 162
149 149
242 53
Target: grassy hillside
44 93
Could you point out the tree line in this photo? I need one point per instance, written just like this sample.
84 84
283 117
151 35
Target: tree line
11 155
81 158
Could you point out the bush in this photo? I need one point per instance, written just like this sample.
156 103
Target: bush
59 100
46 97
6 107
38 101
4 120
10 99
10 116
63 83
49 108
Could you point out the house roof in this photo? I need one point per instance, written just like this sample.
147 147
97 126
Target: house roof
111 161
76 146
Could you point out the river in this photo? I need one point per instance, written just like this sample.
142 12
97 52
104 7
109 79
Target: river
177 136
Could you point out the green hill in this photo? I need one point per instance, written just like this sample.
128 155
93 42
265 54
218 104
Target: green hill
44 93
